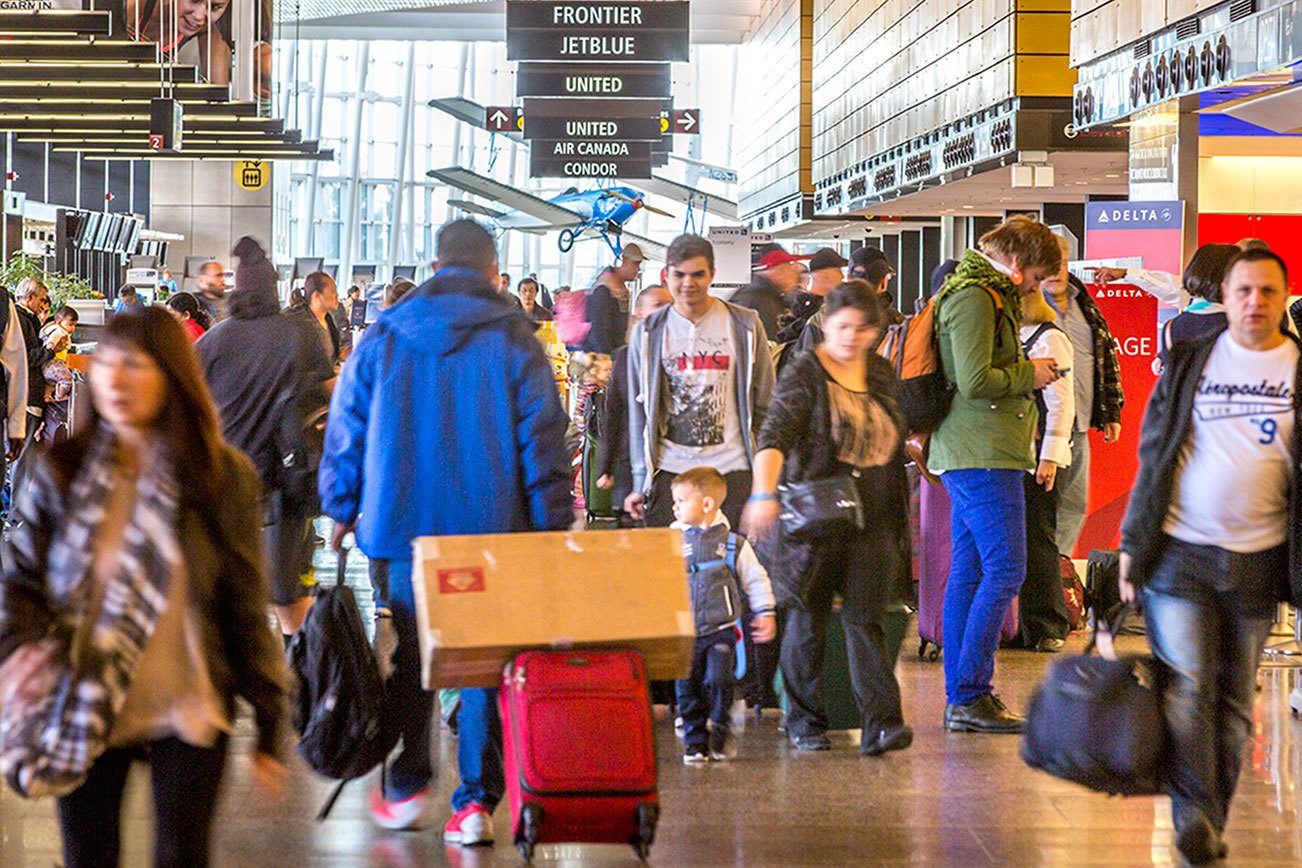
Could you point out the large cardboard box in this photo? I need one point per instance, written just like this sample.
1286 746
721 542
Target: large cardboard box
481 599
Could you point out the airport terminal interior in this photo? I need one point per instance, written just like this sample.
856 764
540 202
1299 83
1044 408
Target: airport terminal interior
1125 173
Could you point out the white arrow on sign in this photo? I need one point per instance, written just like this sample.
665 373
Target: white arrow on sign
498 118
687 121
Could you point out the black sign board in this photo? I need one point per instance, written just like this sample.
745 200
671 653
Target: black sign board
589 149
588 167
609 32
593 80
687 121
501 119
625 129
627 119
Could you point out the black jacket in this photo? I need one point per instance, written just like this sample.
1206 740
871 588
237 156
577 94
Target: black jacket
261 365
799 425
764 297
612 453
37 355
229 594
1167 423
609 324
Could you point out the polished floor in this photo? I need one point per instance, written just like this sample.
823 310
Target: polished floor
952 800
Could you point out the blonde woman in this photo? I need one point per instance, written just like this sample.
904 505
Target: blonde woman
1045 622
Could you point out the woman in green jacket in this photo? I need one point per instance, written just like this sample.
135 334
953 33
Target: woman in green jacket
982 450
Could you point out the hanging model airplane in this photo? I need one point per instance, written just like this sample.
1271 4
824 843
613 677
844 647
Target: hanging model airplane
579 215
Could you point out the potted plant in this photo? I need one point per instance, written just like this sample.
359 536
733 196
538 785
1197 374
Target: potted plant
64 288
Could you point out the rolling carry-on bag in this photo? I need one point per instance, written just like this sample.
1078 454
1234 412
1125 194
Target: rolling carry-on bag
578 749
933 574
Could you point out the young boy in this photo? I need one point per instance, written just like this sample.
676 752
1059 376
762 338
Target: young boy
716 560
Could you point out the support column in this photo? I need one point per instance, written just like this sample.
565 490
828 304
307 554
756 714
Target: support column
404 160
908 281
348 243
1164 160
931 256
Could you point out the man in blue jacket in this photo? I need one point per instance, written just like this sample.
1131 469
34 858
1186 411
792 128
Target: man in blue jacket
445 421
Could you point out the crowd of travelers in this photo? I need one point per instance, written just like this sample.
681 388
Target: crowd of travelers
146 548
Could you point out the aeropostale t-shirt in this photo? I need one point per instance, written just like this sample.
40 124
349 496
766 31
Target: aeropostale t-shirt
702 425
1231 489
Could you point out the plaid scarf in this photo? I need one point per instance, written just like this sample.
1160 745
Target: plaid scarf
48 744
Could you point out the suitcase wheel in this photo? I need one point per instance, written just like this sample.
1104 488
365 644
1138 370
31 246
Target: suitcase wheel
933 655
530 830
647 817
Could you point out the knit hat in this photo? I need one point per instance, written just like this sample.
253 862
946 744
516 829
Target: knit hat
256 293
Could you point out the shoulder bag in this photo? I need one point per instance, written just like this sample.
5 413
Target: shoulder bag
820 507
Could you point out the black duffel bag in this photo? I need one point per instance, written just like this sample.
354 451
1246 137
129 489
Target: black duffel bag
1099 722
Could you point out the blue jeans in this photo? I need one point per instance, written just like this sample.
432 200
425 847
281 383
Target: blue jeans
988 524
1208 613
479 744
706 694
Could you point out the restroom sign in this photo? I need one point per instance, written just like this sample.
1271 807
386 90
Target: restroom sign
252 174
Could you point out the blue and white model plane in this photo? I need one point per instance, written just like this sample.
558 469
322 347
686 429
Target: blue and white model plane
577 215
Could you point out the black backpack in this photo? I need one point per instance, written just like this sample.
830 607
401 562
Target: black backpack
337 707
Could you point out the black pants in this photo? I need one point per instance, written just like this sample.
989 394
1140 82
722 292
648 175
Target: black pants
706 694
186 781
1043 608
1208 613
859 567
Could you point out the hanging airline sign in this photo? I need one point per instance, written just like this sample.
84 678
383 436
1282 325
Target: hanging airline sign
593 80
628 168
604 32
625 119
588 148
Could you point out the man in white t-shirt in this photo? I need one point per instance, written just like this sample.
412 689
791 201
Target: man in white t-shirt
1211 537
700 378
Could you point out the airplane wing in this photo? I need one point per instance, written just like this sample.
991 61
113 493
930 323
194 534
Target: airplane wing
681 193
550 216
468 111
476 208
653 249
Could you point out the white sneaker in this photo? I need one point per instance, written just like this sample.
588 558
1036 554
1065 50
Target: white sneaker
408 813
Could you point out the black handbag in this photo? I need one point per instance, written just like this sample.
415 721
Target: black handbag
820 507
1099 722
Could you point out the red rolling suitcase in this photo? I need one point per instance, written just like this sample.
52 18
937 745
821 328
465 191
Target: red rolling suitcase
578 748
933 573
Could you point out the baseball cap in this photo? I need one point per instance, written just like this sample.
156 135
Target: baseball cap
774 258
826 257
633 252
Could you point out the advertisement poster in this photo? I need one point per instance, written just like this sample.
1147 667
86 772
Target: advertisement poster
1131 314
199 33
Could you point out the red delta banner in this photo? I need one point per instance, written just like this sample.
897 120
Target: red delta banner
1132 316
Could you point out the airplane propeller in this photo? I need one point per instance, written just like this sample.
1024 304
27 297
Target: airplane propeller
638 203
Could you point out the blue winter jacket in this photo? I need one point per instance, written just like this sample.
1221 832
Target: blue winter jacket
446 421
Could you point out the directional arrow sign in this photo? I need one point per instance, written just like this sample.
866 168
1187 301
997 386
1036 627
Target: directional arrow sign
687 121
501 119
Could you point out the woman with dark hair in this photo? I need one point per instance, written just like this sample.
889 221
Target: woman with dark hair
188 312
1204 314
833 415
137 564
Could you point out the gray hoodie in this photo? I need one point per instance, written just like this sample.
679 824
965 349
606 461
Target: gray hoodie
754 383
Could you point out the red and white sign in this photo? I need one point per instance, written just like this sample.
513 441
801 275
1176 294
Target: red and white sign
462 580
1132 316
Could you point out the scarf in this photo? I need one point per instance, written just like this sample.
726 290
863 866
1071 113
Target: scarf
974 270
48 746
